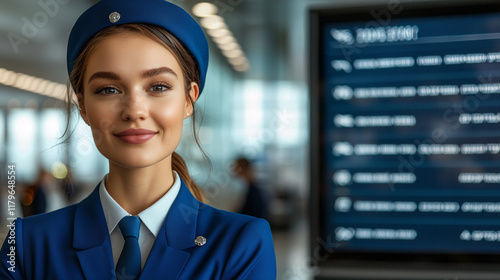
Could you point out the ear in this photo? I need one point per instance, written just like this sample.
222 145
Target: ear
194 93
81 106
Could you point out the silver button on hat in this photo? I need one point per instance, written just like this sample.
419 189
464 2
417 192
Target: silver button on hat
200 241
114 17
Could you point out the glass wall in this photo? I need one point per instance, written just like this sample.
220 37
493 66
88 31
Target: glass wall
22 143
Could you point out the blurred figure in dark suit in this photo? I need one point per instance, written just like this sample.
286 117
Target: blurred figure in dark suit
34 199
254 203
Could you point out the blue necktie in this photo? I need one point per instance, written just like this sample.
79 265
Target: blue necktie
129 263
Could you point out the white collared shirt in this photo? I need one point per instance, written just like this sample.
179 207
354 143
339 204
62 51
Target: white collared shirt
152 219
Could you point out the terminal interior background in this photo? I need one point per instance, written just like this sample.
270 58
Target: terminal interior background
258 109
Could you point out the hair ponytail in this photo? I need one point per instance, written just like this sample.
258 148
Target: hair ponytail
179 166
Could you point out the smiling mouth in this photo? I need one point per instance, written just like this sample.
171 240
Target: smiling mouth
136 136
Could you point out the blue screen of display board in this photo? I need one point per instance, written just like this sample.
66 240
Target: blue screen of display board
411 135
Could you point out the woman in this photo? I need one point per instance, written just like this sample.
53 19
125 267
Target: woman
137 68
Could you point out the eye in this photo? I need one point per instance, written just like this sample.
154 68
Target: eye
107 91
161 87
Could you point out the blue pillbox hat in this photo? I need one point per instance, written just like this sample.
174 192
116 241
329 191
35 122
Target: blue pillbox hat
171 17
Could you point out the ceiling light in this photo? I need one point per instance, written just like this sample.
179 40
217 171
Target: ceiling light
238 60
204 9
213 22
7 77
242 68
224 40
32 84
220 32
20 80
43 85
49 89
10 78
230 46
216 27
232 53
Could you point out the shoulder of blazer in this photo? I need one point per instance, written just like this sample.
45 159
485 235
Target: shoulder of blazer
197 218
58 221
210 214
33 233
56 224
53 223
243 244
248 241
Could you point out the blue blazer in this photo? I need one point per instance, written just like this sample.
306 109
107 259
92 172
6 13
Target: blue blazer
73 243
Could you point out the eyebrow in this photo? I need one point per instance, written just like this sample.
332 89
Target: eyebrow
145 74
104 75
158 71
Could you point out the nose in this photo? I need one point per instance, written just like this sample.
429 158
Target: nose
134 107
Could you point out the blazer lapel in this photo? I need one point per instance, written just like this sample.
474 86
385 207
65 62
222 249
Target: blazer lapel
168 256
91 238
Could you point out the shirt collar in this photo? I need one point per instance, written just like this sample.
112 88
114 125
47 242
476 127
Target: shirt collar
152 217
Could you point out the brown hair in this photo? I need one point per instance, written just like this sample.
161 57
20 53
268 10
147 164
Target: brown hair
190 72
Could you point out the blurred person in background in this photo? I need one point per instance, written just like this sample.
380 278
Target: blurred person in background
34 198
70 188
254 202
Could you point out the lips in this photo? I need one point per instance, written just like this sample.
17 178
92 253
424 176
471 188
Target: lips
136 135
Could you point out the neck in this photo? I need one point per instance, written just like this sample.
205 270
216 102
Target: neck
135 189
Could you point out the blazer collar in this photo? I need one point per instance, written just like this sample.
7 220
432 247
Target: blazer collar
91 238
179 227
168 255
90 227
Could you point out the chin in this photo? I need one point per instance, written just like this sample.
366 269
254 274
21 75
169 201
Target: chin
129 164
136 161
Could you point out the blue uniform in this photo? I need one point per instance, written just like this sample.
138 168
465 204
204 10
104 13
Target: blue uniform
73 243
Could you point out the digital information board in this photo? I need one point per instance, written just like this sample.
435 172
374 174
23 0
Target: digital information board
410 134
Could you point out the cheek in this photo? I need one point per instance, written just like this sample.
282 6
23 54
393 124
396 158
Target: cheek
100 117
171 115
